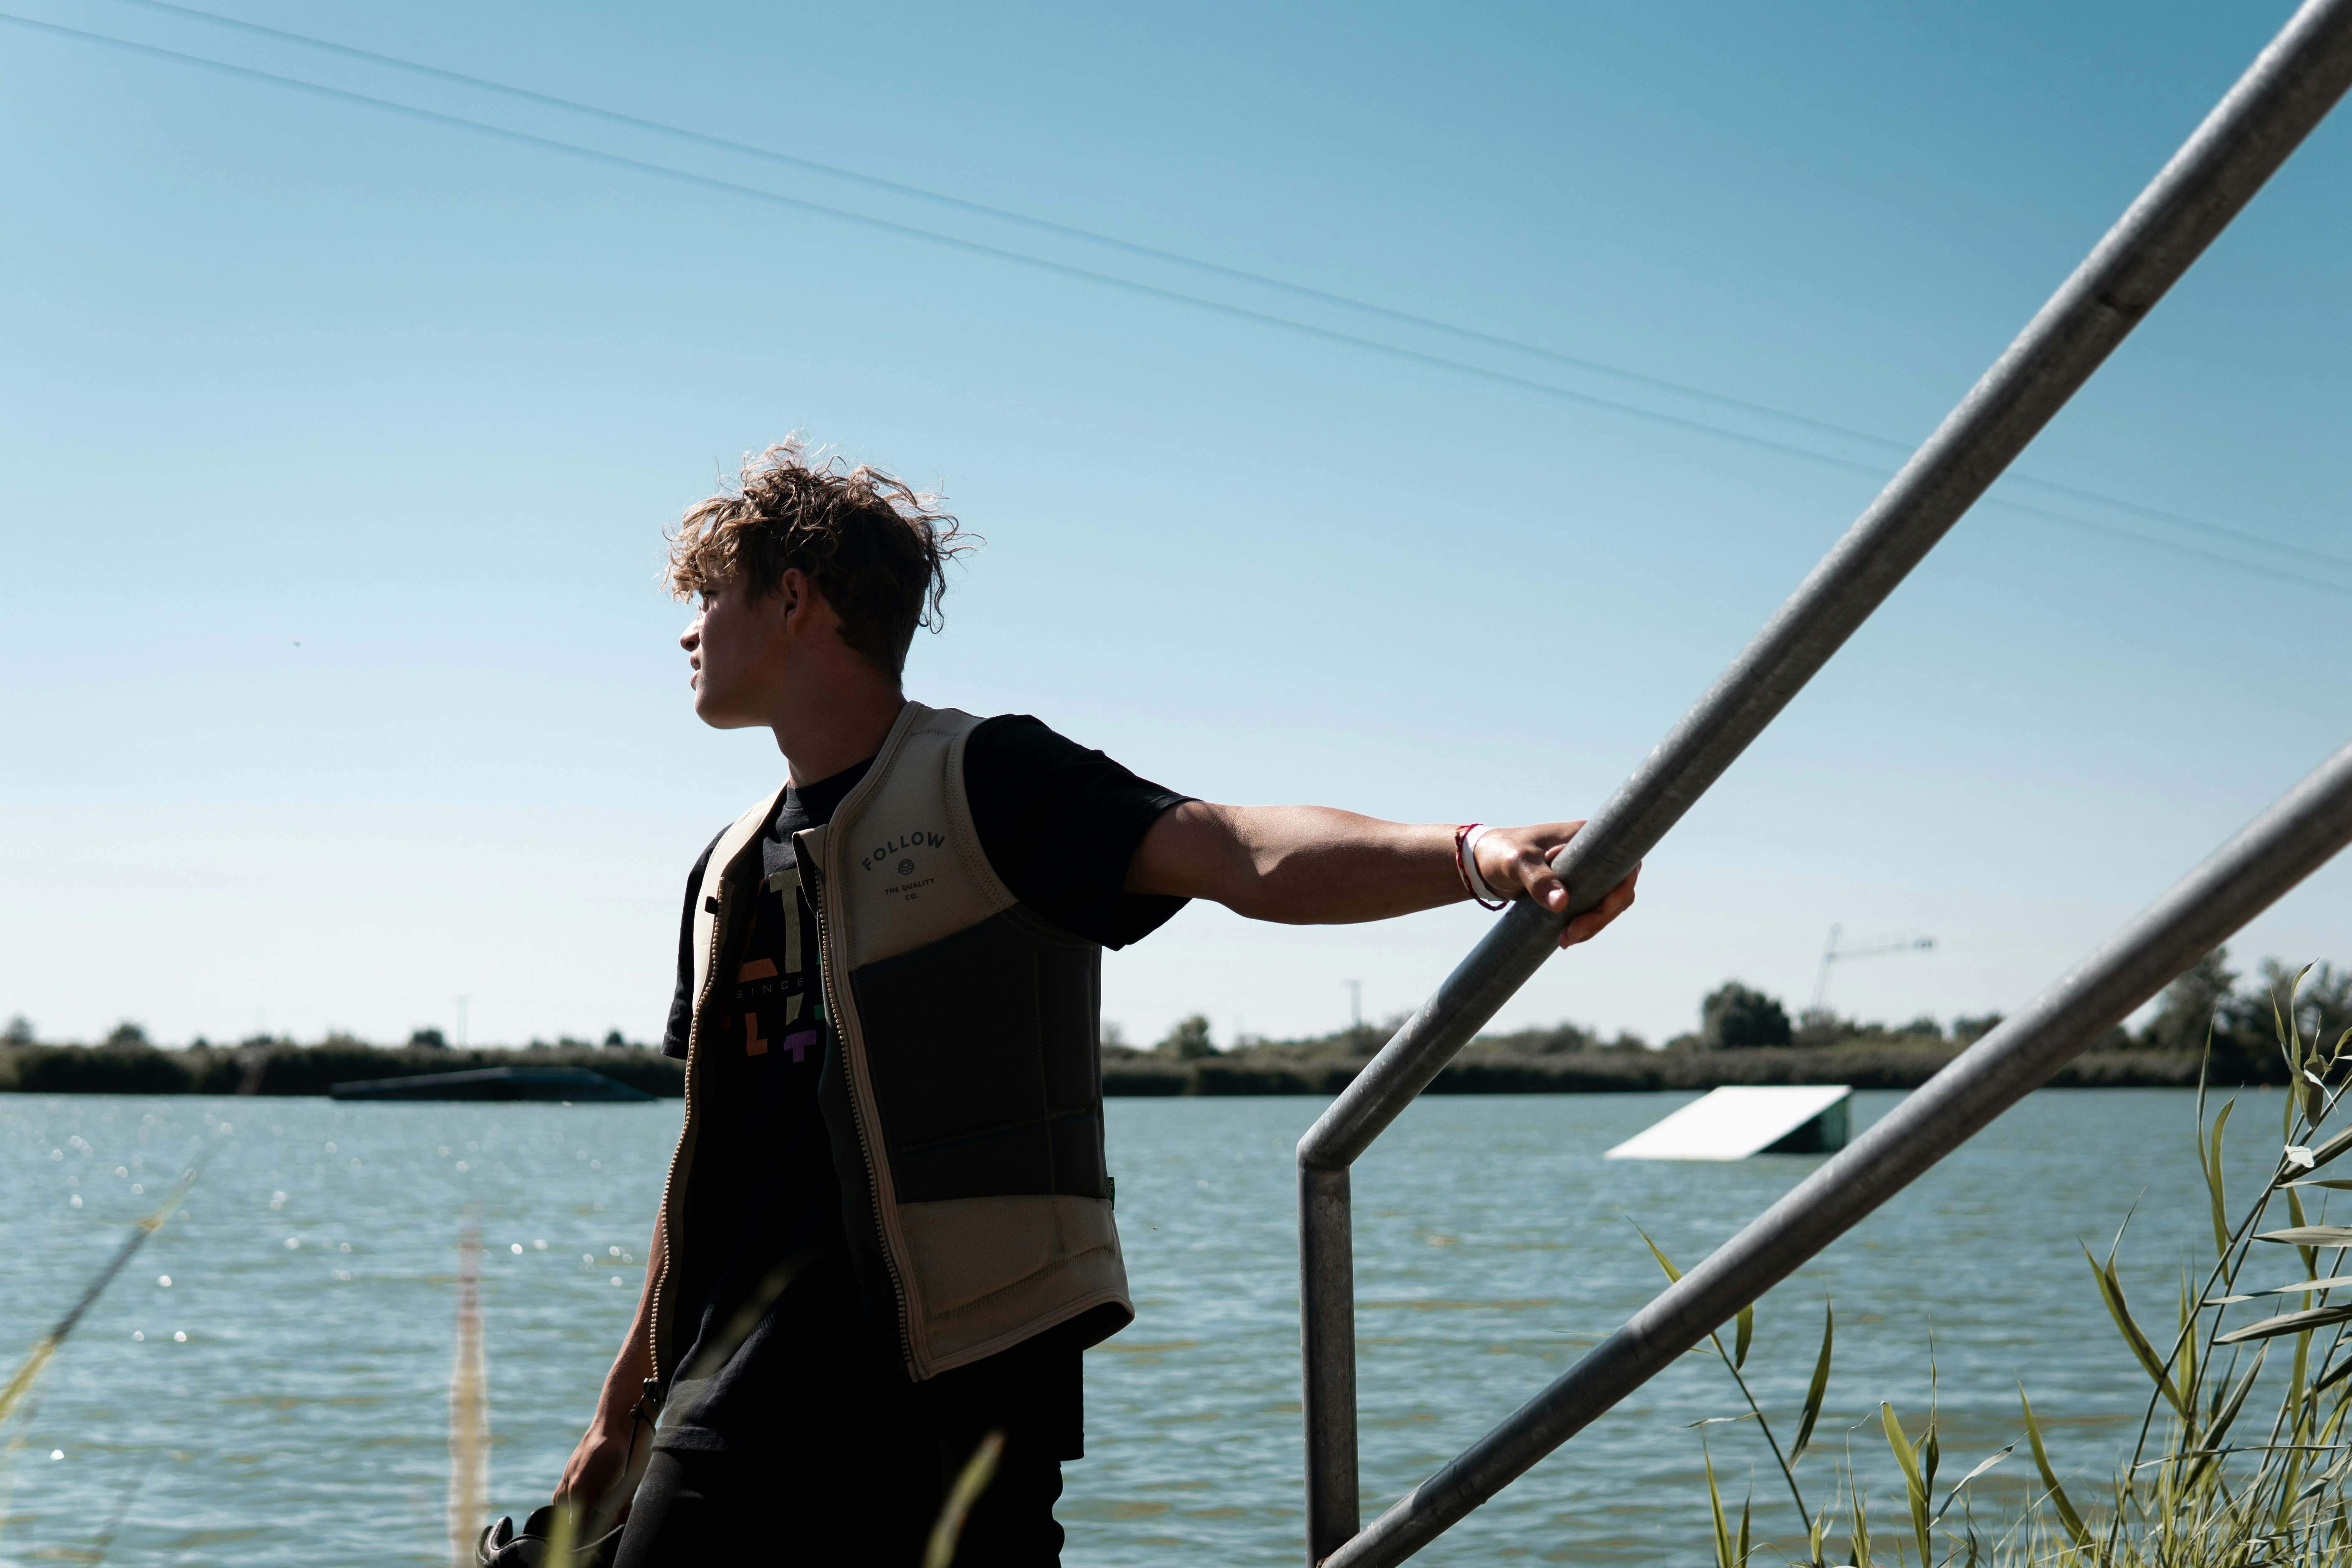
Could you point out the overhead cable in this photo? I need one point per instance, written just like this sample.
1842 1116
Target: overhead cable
1215 269
1068 269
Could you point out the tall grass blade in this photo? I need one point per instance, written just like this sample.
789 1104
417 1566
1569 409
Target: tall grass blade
563 1536
1817 1391
2314 1091
2310 1253
105 1542
469 1410
1674 1275
2321 1153
719 1348
1954 1495
1914 1483
1746 1320
2287 1323
2076 1529
2225 1417
2308 1236
8 1462
2213 1184
1746 1508
1715 1505
978 1471
2300 1287
2111 1290
1858 1517
2291 1049
2186 1373
27 1374
2300 1402
21 1384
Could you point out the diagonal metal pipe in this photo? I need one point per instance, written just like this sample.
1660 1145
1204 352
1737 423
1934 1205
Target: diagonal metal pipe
2288 90
2271 854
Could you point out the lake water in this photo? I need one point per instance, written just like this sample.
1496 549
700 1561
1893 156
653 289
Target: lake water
304 1417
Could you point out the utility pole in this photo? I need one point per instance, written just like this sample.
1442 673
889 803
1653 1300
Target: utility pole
1822 975
1829 954
1355 1005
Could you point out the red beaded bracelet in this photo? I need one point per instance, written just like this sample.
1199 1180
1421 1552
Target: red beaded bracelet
1462 871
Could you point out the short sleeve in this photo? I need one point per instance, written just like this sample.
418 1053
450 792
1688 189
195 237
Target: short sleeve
1060 825
681 1000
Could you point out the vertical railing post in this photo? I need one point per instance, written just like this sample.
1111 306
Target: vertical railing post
1326 1290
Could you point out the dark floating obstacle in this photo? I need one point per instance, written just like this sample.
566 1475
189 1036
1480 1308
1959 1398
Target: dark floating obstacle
569 1085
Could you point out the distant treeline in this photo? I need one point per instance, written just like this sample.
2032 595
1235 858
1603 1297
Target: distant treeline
1486 1067
1744 1036
1257 1071
281 1067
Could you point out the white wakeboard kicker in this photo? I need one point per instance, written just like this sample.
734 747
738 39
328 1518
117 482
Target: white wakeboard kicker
1733 1124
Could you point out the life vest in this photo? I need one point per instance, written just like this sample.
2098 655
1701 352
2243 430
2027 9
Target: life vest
963 1098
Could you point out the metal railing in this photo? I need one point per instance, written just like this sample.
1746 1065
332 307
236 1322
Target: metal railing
2288 90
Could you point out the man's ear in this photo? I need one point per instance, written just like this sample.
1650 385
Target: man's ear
792 598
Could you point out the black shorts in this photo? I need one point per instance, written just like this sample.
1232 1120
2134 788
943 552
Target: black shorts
874 1509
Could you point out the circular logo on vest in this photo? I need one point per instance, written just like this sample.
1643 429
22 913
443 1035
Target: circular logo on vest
905 866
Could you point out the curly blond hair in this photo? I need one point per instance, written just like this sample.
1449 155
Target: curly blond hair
876 549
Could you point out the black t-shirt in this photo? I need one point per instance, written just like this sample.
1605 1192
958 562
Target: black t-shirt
1059 825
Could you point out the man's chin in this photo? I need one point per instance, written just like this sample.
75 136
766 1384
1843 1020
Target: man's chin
719 716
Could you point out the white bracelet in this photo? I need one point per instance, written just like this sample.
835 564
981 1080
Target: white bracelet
1470 863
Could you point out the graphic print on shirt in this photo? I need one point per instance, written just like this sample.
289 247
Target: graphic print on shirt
777 1002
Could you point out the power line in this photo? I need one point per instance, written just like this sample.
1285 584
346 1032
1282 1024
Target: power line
1007 214
2111 532
1264 281
1285 323
957 242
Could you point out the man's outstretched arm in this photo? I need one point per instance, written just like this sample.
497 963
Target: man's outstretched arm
1309 865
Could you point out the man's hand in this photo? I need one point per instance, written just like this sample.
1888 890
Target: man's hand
596 1463
1518 859
600 1464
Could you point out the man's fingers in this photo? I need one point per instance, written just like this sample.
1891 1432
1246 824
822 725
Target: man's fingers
1533 864
1590 923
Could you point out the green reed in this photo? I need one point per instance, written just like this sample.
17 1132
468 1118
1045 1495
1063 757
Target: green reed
2206 1485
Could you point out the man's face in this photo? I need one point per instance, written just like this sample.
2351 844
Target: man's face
737 650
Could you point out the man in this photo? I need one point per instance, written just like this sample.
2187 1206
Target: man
887 1226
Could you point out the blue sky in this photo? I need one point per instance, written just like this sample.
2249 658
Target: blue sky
338 443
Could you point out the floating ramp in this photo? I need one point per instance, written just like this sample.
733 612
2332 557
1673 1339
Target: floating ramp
570 1085
1733 1124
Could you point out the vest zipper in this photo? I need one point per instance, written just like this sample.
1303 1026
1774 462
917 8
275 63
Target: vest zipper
838 1018
670 1237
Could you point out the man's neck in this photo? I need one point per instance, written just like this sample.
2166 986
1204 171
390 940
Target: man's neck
837 734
